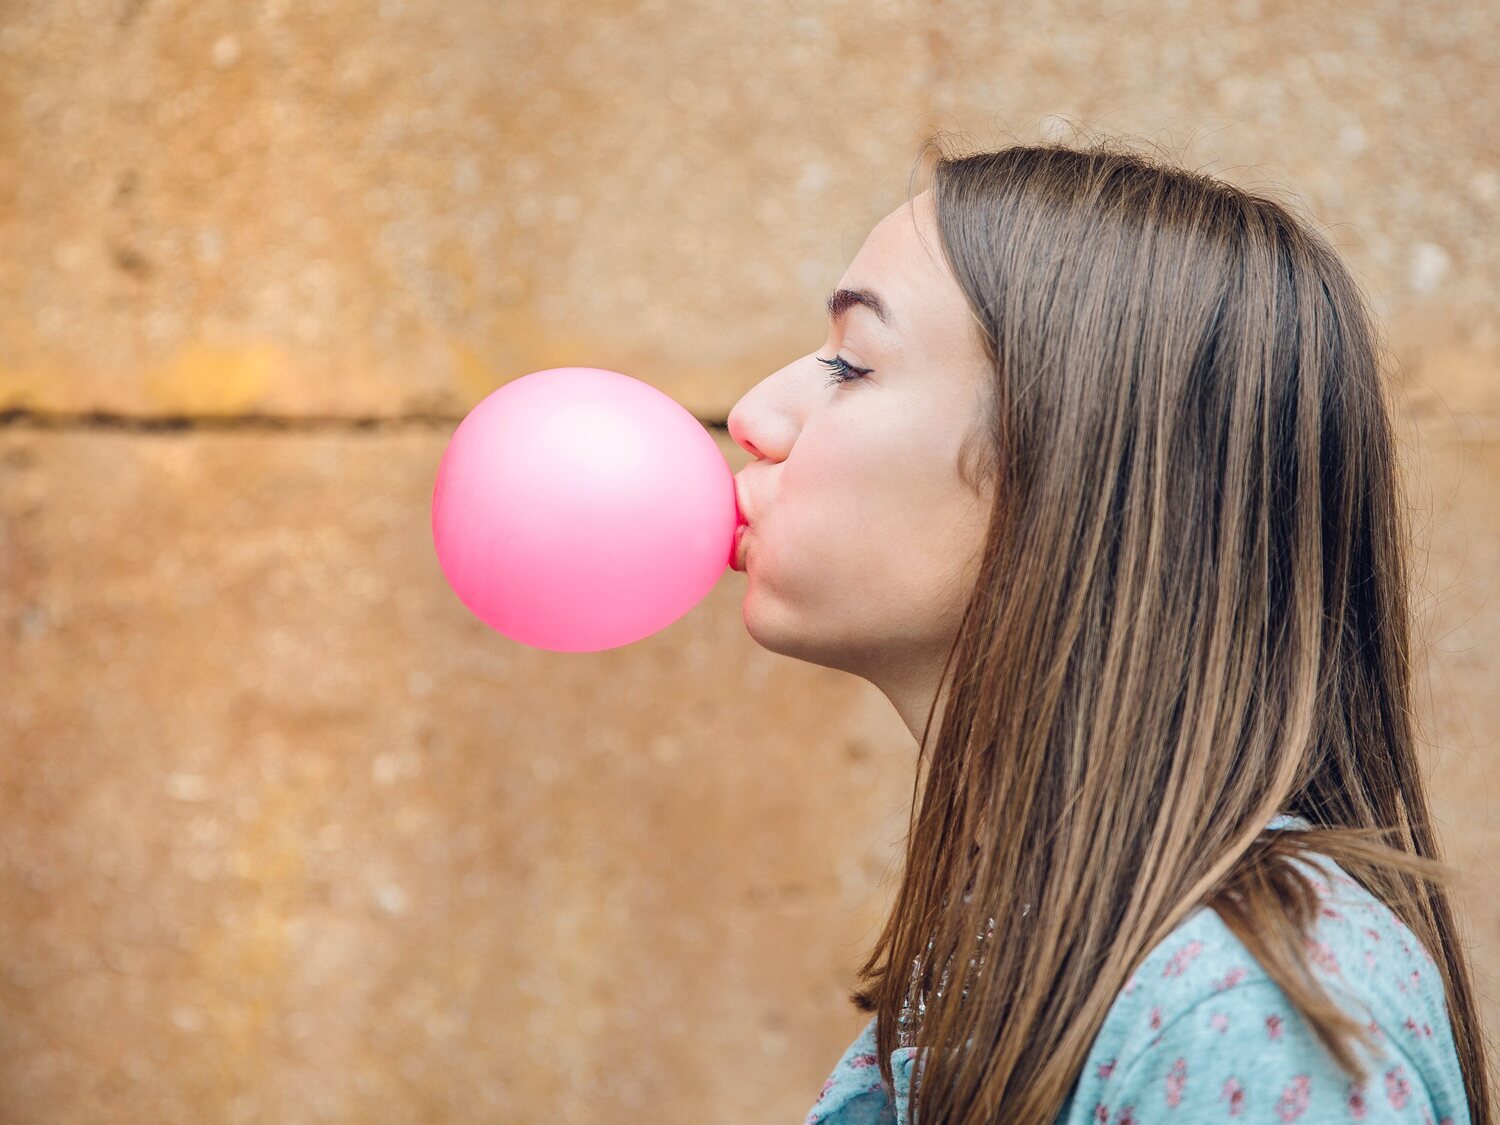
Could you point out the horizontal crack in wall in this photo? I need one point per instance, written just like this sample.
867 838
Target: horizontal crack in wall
156 423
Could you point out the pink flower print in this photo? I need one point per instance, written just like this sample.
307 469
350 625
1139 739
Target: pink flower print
1294 1098
1415 1028
1130 985
1182 959
1369 960
861 1061
826 1087
1107 1068
1229 979
1397 1088
1234 1094
1415 978
1101 1114
1126 1116
1219 1022
1176 1080
1355 1101
1374 934
1273 1026
1155 1017
1330 912
1322 956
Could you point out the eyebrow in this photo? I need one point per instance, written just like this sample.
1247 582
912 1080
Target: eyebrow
840 301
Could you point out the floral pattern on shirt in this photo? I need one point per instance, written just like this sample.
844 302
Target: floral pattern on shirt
1200 1033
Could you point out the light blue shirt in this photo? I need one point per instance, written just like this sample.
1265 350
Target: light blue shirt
1201 1033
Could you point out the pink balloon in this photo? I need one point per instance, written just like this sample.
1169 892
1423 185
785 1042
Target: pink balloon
578 509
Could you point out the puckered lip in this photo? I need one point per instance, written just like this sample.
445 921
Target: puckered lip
737 551
739 502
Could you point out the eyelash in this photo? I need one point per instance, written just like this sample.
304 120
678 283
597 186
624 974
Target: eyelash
841 370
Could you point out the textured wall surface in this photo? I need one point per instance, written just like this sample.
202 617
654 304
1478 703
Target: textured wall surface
288 835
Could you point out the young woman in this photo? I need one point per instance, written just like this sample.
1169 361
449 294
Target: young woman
1096 466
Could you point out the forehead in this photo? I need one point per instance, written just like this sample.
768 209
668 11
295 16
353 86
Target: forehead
902 261
902 244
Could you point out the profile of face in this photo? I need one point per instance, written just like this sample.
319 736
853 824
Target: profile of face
863 540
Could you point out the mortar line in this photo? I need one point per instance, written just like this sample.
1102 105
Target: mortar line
85 420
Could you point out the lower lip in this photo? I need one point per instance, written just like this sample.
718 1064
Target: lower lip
738 562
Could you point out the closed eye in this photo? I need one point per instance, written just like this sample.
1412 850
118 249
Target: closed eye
842 371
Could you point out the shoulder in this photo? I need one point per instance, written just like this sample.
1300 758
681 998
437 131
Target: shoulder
1200 1027
855 1091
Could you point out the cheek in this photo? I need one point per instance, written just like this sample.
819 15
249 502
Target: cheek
923 585
929 543
866 504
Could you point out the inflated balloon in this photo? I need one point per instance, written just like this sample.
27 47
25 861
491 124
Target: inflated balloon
577 509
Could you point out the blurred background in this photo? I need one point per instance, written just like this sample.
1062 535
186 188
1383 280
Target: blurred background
286 833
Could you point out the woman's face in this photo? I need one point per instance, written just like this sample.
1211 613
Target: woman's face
863 540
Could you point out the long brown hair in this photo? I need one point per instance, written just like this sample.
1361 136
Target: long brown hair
1191 613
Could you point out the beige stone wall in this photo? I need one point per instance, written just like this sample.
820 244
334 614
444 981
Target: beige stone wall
287 834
